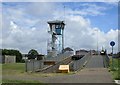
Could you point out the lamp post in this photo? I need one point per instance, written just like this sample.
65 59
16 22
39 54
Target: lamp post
97 39
112 43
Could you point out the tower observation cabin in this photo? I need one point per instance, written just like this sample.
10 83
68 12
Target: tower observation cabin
55 43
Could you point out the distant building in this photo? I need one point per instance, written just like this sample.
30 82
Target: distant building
40 57
7 59
68 49
81 52
24 56
94 52
37 57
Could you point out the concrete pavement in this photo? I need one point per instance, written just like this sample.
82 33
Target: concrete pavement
96 61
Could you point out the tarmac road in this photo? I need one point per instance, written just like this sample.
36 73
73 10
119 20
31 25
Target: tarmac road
96 61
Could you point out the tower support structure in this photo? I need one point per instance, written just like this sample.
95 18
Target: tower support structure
56 41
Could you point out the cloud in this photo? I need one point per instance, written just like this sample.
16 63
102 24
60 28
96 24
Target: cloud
43 10
80 34
25 27
82 9
25 39
19 15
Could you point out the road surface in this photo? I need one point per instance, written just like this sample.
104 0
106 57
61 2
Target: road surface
96 61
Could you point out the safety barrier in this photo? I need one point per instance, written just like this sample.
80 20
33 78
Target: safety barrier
78 64
60 57
38 65
33 65
106 61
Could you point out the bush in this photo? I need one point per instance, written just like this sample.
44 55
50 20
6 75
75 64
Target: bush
32 54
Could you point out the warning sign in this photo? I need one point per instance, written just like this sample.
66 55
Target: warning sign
64 68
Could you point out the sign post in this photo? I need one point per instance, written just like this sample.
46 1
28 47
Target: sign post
112 43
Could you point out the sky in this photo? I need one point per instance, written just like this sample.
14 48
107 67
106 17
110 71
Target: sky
24 24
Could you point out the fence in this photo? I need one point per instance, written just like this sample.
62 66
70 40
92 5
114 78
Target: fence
54 68
36 65
60 57
78 64
106 61
33 65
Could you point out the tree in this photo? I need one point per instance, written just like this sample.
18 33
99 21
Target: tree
32 54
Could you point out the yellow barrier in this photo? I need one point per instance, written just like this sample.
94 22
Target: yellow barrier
64 68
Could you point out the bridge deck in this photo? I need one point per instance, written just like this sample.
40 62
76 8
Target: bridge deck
96 61
94 72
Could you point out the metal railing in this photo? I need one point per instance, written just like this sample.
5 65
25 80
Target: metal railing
79 64
60 57
33 65
54 68
106 61
38 65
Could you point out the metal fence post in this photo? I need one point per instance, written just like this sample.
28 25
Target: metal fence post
118 68
25 65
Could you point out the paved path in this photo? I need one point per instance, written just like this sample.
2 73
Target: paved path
85 76
92 75
96 61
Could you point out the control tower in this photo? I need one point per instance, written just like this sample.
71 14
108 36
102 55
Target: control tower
55 43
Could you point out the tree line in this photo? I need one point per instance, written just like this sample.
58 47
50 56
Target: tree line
31 54
13 53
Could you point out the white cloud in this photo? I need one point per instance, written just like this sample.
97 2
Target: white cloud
82 9
19 16
80 34
41 10
25 39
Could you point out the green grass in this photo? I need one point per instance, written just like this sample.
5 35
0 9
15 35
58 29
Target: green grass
21 82
14 66
18 81
115 70
17 69
13 71
0 67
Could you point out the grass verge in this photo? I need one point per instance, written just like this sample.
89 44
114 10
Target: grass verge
115 68
15 73
20 82
14 66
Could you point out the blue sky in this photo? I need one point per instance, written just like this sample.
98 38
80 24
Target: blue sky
105 22
25 22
